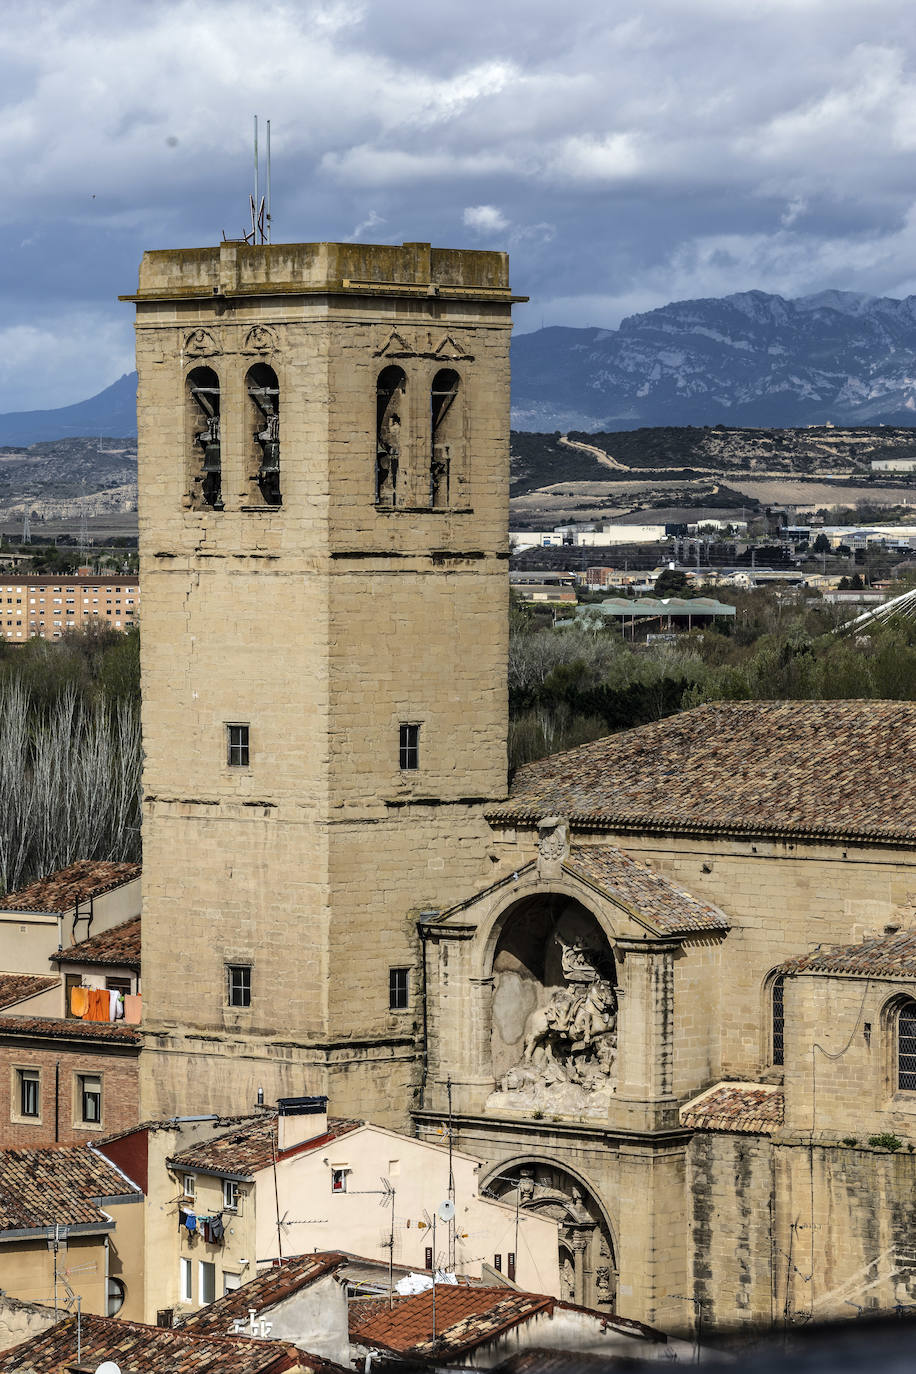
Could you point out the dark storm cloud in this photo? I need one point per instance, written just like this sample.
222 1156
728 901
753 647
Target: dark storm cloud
626 154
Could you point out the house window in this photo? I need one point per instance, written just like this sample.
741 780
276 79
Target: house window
237 745
409 740
230 1195
90 1098
906 1047
29 1093
185 1280
778 1019
239 985
206 1281
397 988
231 1282
121 985
189 1185
338 1180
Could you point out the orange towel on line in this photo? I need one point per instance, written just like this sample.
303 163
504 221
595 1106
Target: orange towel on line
79 1001
132 1006
99 1003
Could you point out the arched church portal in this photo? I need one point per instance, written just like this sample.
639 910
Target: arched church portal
588 1268
553 1032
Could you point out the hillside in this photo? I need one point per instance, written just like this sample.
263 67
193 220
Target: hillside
747 359
112 411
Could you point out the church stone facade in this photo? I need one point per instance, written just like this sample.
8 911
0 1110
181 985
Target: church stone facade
662 985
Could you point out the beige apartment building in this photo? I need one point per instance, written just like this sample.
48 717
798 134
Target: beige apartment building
598 979
47 607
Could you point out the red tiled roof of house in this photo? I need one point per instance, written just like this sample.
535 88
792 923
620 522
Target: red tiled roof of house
778 768
243 1152
264 1291
885 956
746 1108
119 945
15 986
44 1187
76 883
653 900
154 1350
70 1028
464 1318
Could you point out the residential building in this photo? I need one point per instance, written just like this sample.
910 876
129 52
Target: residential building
63 909
47 607
71 1226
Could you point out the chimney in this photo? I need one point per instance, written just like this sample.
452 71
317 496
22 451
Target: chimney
300 1119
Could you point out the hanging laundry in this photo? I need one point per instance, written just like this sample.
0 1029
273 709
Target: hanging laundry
132 1008
79 1002
190 1222
119 1007
113 1004
217 1228
99 1004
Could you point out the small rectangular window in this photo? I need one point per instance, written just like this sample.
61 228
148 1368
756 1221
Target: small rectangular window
239 990
90 1091
121 985
237 743
185 1275
29 1093
409 746
510 1266
338 1180
498 1263
230 1195
206 1280
398 988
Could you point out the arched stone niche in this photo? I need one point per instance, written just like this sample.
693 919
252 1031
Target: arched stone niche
587 1259
553 1033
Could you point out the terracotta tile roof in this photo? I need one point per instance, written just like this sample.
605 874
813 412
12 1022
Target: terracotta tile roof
652 899
813 768
119 945
15 986
465 1317
152 1349
747 1108
77 882
43 1187
264 1291
63 1028
885 956
242 1152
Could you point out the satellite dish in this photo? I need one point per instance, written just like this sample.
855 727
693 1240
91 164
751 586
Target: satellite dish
446 1211
108 1367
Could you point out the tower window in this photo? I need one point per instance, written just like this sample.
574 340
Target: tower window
237 738
398 988
409 747
778 1019
264 394
206 460
239 985
444 426
391 391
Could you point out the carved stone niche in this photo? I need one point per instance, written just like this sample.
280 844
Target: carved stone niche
553 845
553 1039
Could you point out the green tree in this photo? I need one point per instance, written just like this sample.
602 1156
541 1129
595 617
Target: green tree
670 582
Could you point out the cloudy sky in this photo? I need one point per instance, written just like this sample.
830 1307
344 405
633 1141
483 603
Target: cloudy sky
626 152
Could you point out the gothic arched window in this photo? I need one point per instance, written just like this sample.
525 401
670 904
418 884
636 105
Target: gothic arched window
391 391
777 1019
446 427
906 1046
206 480
264 398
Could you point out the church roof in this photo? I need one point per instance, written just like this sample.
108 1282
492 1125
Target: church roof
746 1108
885 956
819 769
653 900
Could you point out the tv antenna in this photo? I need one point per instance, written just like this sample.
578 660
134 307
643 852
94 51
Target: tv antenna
260 204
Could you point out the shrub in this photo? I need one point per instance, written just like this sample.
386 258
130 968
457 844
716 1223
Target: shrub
886 1141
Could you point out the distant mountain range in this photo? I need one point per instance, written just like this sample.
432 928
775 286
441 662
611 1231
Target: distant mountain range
747 359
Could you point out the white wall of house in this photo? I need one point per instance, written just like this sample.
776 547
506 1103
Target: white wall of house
319 1218
576 1331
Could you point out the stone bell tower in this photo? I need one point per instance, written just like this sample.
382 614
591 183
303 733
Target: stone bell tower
324 455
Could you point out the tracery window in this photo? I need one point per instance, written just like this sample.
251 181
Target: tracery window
906 1047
